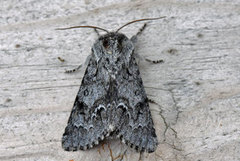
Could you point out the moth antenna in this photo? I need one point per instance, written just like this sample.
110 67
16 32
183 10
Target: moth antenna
73 27
145 19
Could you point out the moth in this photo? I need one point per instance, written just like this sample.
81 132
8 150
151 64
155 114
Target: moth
111 100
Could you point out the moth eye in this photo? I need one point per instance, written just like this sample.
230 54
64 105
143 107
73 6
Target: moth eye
105 43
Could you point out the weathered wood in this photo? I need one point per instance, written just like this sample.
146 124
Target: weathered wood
197 87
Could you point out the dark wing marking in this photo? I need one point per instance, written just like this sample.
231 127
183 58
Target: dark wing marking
87 124
133 117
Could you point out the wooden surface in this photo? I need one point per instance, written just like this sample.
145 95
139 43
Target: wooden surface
197 87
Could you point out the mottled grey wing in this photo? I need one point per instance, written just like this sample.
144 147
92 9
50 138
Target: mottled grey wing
133 117
88 119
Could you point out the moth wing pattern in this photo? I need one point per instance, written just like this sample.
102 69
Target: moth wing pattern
135 123
111 100
88 118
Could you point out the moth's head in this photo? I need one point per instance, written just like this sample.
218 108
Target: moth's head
113 47
114 43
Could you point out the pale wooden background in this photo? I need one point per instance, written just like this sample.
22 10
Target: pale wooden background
197 86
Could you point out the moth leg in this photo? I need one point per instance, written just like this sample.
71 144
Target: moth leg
73 70
141 29
151 101
140 58
80 66
97 32
154 61
134 38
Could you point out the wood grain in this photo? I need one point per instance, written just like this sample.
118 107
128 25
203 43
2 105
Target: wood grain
197 88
